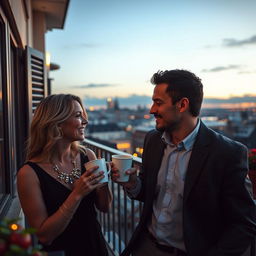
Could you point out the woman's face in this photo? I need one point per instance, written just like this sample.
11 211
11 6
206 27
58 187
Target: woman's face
73 128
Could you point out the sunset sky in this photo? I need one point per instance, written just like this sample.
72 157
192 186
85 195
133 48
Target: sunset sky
111 48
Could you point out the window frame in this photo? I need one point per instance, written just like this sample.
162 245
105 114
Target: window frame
8 153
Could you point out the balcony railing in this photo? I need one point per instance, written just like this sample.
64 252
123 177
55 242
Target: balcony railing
120 222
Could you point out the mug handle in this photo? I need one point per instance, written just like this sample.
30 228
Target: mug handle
108 167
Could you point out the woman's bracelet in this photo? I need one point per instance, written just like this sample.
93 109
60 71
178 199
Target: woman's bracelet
65 211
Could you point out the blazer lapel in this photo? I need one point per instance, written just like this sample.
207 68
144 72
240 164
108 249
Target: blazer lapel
156 155
198 157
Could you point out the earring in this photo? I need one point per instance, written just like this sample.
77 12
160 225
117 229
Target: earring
60 132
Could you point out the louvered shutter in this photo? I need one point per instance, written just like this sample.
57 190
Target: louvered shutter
37 79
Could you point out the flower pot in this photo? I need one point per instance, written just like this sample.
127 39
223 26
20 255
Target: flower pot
252 176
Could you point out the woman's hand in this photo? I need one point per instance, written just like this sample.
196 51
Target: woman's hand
87 182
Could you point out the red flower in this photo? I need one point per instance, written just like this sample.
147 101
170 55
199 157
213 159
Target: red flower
23 240
14 240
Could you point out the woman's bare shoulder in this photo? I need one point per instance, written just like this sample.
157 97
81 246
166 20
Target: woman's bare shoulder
91 155
27 172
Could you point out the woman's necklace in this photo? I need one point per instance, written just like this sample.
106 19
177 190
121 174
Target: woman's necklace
68 178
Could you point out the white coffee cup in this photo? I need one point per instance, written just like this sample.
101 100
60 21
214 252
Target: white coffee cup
122 163
103 166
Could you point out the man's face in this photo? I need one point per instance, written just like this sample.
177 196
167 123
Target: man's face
166 114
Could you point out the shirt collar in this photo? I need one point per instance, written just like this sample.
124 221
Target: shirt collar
187 143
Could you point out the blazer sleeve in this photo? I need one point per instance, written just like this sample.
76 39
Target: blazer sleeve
238 207
142 173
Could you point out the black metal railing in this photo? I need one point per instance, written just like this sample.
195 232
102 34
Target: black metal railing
120 222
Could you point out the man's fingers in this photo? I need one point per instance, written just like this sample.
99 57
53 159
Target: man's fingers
113 168
115 175
131 171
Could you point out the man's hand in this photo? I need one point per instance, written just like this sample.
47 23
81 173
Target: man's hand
132 172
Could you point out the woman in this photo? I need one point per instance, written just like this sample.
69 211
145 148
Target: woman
57 194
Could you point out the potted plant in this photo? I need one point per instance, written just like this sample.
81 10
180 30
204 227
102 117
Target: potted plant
252 169
17 241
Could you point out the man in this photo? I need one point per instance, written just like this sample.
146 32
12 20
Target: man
193 182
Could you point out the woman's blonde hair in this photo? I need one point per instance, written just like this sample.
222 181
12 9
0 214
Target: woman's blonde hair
45 131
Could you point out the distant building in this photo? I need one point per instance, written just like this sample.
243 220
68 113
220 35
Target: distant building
116 104
138 137
246 135
110 133
110 104
214 123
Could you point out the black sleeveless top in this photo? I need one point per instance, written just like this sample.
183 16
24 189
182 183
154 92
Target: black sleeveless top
83 235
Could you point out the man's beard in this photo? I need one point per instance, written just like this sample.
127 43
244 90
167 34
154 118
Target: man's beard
160 129
170 127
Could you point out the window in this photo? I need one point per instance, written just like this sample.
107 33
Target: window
2 115
8 145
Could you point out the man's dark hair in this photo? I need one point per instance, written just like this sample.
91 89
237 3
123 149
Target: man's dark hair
182 83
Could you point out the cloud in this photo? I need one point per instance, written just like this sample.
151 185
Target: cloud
209 46
247 72
231 42
221 68
232 100
91 85
88 45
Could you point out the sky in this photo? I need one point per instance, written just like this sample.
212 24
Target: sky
111 48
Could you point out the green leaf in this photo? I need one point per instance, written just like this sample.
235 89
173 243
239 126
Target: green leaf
15 248
28 231
10 221
5 231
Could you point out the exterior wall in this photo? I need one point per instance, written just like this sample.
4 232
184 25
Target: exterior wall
39 30
16 28
21 19
29 24
23 83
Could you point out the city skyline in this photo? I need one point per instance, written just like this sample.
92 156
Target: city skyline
144 101
112 48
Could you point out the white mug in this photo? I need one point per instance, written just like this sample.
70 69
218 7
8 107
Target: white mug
103 166
122 163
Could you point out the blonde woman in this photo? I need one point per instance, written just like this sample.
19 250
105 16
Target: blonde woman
57 194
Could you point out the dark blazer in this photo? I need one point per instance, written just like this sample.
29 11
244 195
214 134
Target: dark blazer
219 214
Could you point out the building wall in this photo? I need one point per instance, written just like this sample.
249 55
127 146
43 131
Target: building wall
23 83
20 15
31 24
39 30
16 23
